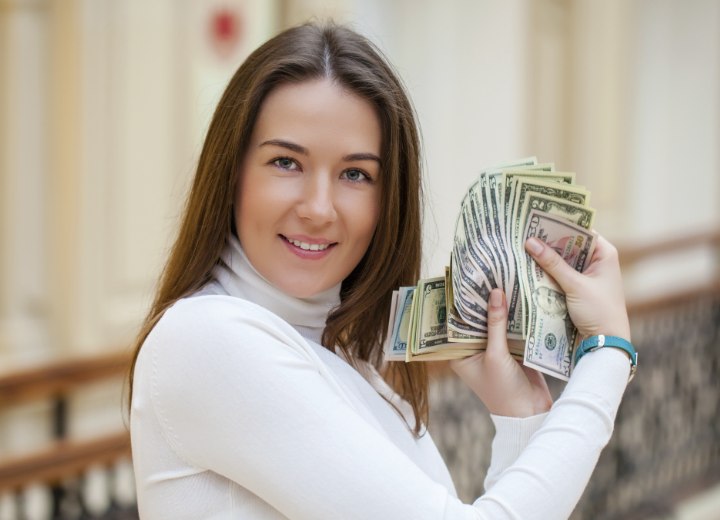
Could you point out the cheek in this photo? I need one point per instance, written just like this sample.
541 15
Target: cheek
244 208
257 202
367 219
248 205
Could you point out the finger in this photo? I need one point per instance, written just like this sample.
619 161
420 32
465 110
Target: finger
497 324
604 250
551 262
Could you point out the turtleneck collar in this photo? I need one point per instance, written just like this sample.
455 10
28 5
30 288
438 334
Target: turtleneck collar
238 277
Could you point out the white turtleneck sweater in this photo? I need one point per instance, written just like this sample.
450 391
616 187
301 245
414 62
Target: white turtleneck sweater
239 412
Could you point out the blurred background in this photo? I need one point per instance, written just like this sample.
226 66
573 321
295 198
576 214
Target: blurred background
103 108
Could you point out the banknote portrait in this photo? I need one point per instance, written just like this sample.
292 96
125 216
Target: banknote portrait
550 302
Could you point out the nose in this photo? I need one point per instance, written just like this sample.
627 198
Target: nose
317 202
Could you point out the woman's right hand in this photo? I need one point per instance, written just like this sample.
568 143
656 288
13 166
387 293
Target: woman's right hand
595 298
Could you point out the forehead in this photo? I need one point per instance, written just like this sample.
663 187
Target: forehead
319 113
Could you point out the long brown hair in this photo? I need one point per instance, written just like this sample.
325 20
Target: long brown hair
358 324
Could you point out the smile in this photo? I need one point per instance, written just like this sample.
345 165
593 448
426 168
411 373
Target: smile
315 249
308 247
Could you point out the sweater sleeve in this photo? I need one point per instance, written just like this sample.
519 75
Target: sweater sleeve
238 393
551 473
512 435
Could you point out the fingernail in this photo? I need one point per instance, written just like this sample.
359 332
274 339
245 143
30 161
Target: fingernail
534 246
496 298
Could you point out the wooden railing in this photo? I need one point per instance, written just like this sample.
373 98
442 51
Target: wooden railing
631 254
61 460
64 459
637 253
60 378
67 458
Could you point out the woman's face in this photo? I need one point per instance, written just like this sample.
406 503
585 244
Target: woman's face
308 196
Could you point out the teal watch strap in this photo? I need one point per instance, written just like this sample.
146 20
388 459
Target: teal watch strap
600 341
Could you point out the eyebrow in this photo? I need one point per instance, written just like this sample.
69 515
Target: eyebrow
286 144
362 156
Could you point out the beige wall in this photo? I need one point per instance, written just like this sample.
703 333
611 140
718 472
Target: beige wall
23 163
104 104
624 92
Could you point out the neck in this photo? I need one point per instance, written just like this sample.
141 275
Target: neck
239 278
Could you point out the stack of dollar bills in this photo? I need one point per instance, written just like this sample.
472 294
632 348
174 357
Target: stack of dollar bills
446 317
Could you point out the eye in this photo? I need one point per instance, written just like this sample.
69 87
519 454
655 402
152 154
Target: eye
355 175
285 163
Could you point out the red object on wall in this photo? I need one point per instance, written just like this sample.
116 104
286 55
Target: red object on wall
225 29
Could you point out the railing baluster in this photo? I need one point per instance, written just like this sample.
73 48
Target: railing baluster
123 491
96 490
70 506
9 509
37 502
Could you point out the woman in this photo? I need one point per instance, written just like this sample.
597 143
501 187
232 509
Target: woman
256 392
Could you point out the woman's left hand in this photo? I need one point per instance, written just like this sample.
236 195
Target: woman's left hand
504 385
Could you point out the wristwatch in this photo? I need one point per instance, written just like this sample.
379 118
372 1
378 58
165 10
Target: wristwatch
601 341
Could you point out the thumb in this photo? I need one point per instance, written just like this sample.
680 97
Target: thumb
552 263
497 325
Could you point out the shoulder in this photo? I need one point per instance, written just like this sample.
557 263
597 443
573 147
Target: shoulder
212 358
210 330
217 317
215 307
207 346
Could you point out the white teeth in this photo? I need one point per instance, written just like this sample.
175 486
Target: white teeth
308 247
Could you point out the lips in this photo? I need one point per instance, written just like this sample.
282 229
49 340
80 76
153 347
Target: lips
307 246
310 245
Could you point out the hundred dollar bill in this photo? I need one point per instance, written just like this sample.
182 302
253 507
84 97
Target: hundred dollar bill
551 333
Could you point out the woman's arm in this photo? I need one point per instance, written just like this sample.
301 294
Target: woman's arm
242 396
511 392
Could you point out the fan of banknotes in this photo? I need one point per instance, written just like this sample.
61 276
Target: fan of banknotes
446 317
